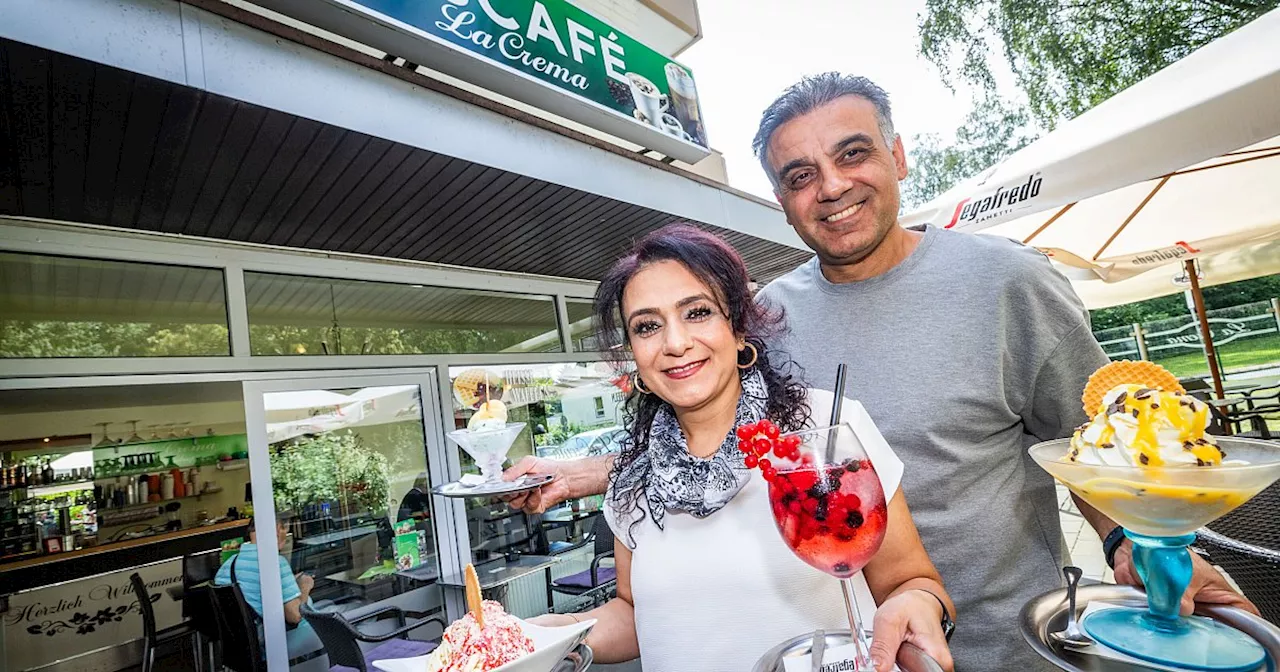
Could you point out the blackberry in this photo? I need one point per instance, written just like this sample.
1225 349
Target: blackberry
854 519
841 568
821 514
818 491
853 466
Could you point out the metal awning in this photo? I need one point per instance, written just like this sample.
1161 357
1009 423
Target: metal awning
86 142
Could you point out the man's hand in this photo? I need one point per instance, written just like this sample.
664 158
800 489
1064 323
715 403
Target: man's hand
540 499
572 479
911 616
1207 586
306 583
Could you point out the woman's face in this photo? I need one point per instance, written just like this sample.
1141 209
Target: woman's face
684 345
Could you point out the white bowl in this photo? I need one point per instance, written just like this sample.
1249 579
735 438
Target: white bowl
550 646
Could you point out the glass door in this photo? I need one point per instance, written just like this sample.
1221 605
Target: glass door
344 520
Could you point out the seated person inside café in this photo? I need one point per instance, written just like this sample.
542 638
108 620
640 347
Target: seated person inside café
242 569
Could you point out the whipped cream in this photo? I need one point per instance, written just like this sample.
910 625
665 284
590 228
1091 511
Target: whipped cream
1141 426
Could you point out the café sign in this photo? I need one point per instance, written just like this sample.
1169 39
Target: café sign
545 53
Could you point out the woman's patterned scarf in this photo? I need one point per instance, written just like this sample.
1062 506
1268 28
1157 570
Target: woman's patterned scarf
673 479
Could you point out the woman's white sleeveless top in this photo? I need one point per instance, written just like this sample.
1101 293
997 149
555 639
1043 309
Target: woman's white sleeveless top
715 594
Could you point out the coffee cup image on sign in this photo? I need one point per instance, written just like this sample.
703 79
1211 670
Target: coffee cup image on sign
673 127
650 102
684 100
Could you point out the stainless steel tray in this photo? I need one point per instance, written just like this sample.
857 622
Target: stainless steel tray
910 657
578 660
1048 613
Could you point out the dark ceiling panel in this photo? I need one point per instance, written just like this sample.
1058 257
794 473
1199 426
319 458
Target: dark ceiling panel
84 142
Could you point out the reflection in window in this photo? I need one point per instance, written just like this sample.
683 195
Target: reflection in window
580 328
70 307
349 474
294 315
570 411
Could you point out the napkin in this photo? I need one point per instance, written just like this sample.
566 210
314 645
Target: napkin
471 480
1104 651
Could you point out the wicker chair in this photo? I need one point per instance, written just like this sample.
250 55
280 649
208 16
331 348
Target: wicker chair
1246 543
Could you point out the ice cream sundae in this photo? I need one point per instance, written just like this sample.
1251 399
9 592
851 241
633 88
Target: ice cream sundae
471 646
1140 425
1146 462
491 415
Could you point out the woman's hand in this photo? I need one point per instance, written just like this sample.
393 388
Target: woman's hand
553 620
910 616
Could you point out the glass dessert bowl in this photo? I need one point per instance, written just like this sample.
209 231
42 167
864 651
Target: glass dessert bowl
1160 508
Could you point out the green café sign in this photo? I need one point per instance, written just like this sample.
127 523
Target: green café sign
564 47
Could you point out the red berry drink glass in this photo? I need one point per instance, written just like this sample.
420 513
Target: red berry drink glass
829 507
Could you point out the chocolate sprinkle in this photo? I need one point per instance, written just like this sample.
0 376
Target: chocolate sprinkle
1143 393
1154 406
1144 459
1106 445
1135 412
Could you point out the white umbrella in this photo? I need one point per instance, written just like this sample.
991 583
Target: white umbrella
1181 166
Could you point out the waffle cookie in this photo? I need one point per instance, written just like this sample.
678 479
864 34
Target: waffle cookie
475 386
1125 372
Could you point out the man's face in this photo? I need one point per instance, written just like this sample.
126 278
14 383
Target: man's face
837 180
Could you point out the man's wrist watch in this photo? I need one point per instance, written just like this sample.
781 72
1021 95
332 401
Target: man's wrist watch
948 625
1111 544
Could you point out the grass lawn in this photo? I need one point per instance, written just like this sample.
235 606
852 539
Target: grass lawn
1243 354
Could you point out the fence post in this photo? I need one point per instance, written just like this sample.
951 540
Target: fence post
1140 338
1275 308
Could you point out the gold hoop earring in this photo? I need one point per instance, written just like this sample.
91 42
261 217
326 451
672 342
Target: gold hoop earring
755 354
637 383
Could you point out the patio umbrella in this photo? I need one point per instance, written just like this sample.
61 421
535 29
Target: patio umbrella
1181 166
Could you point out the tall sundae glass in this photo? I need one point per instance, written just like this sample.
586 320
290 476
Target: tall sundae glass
1145 461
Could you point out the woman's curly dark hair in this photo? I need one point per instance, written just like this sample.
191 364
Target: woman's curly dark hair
721 269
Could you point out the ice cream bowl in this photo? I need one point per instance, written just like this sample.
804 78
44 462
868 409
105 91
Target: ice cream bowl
1160 509
488 447
550 647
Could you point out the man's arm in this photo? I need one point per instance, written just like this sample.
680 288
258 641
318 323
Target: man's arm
573 479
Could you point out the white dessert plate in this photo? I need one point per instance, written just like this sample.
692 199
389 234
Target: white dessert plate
482 489
550 646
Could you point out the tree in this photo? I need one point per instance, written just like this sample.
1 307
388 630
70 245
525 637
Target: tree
993 130
1069 55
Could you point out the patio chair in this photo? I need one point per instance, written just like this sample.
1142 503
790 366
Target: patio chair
238 630
342 638
1246 543
1255 569
152 637
595 582
198 569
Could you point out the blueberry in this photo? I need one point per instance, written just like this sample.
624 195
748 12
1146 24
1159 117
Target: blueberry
841 568
854 519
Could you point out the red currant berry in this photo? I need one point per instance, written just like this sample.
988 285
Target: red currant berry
761 446
751 461
765 463
780 450
771 431
743 432
745 446
769 473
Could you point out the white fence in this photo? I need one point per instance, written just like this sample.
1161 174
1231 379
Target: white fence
1164 339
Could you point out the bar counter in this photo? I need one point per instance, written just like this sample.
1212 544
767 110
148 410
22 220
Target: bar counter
55 568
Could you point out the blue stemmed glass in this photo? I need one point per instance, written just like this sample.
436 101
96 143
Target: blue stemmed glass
1160 509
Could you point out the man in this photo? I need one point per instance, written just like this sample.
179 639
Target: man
964 349
296 590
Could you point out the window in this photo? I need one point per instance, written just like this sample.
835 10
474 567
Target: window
569 413
71 307
580 327
294 315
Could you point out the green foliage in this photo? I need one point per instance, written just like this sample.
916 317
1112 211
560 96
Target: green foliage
273 339
993 130
1069 55
331 467
1164 307
560 433
35 338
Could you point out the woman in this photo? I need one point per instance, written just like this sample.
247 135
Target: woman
705 581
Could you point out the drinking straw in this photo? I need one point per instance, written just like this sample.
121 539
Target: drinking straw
837 405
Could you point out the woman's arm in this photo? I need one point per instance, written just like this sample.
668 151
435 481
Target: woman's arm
908 589
613 639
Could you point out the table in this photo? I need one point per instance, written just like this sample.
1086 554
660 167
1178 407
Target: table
334 537
497 574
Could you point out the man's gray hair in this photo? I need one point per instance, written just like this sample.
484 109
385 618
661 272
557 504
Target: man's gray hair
808 95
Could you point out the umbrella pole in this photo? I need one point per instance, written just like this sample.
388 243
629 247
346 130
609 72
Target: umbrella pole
1205 335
